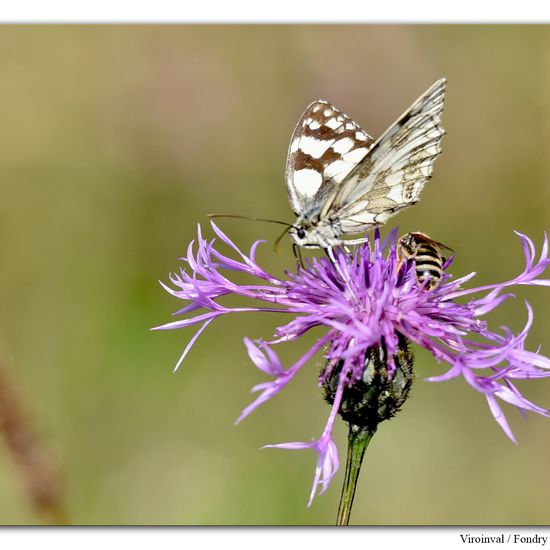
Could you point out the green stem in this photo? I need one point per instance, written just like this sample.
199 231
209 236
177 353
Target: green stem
358 440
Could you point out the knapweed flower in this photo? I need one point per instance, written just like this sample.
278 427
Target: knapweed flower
364 301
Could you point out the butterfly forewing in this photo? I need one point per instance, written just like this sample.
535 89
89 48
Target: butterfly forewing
325 146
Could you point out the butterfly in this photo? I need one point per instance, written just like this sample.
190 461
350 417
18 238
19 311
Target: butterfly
340 181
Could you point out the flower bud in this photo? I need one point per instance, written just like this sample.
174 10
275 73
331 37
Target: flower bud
374 397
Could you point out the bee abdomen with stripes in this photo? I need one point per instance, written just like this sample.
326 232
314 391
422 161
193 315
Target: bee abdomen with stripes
427 255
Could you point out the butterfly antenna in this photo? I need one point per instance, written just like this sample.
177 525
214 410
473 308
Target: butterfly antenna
279 238
288 225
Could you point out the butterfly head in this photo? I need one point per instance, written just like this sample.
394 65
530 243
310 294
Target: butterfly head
300 236
310 233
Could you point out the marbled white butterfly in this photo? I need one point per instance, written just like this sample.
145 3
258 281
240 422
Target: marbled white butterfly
341 181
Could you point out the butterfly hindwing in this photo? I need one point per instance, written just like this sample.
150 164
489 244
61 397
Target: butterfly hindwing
325 146
393 173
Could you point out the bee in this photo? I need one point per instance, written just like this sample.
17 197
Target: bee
427 255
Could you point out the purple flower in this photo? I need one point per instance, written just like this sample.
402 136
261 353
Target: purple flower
364 300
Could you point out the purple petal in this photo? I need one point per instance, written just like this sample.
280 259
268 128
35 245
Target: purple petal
191 342
498 415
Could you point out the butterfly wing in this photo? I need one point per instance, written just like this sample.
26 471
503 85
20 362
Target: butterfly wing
393 173
322 139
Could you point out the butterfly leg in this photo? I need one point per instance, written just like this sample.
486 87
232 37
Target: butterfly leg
345 277
298 255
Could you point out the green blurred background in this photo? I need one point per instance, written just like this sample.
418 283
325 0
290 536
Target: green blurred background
117 140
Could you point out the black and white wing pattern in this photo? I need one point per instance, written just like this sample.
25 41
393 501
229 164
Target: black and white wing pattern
393 173
325 146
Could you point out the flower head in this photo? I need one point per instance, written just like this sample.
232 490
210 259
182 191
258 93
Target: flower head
365 300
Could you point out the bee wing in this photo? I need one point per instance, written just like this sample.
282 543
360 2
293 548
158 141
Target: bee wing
445 251
315 163
422 237
393 173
